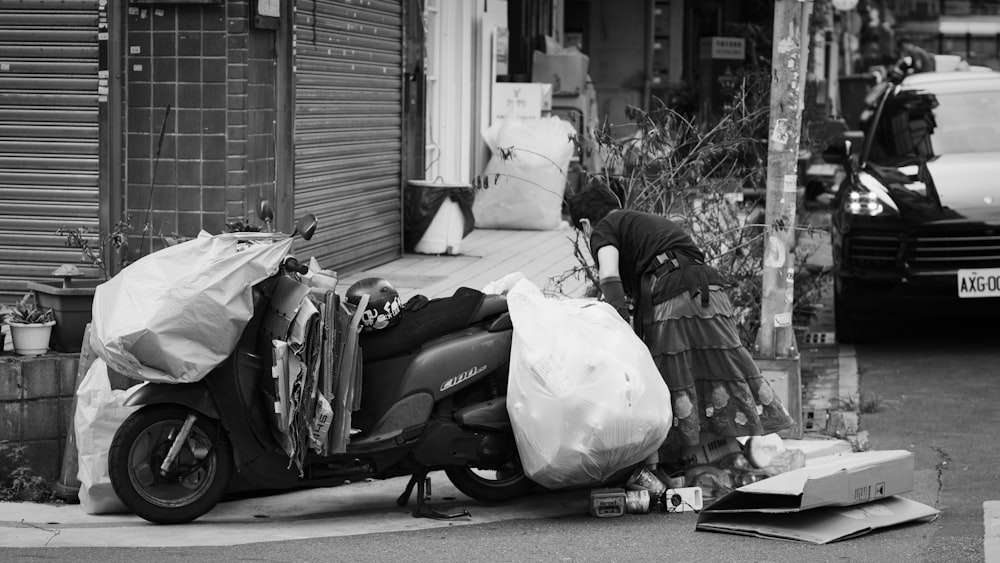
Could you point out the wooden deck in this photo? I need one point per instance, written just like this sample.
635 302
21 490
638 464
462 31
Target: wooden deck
486 255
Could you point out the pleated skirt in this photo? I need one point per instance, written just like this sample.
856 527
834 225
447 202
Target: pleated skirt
715 385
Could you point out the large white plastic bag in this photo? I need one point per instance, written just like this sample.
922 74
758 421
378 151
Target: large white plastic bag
173 315
99 413
525 190
585 398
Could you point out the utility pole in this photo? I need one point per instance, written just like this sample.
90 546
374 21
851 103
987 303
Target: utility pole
789 60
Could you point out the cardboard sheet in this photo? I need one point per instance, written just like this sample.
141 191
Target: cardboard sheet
819 525
840 497
841 480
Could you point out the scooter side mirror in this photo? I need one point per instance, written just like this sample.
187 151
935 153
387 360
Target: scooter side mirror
266 213
306 226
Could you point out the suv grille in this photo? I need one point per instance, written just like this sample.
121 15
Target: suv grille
954 252
873 251
951 252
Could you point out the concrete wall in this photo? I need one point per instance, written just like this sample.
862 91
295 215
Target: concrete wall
36 404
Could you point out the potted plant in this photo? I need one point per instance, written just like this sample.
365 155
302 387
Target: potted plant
30 326
72 299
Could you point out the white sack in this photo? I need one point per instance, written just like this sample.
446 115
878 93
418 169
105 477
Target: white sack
173 315
584 397
525 189
99 413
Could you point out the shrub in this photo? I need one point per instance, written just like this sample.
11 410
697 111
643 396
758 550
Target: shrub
710 178
18 482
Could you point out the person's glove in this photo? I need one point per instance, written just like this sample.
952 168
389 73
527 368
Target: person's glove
614 294
416 303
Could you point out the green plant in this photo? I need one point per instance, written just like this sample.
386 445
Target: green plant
93 249
17 480
26 311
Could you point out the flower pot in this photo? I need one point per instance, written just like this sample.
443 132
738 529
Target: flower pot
31 339
72 309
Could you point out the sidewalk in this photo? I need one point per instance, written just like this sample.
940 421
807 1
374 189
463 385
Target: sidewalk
828 371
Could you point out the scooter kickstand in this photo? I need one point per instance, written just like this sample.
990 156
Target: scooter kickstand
422 510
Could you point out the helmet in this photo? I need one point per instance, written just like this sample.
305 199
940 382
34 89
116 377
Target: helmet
383 303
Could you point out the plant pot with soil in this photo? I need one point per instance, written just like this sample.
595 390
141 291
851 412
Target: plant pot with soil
30 326
71 303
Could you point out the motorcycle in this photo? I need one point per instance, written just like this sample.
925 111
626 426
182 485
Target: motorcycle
433 397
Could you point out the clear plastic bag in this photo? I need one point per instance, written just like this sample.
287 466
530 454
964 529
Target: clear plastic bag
585 398
525 185
99 413
173 315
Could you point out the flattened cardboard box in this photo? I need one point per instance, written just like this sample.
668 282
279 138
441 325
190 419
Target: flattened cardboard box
799 505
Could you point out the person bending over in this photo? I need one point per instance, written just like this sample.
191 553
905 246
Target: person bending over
685 318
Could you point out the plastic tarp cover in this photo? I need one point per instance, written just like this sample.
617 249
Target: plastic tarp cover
585 398
99 412
174 315
526 176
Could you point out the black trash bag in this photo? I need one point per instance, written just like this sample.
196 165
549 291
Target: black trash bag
421 203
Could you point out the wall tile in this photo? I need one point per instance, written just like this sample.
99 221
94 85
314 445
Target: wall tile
11 420
40 378
10 380
42 419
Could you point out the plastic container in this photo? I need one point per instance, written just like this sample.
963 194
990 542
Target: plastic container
437 216
444 234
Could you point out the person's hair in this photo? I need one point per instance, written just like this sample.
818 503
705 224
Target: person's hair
903 40
593 203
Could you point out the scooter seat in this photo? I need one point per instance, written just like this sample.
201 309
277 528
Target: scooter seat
437 318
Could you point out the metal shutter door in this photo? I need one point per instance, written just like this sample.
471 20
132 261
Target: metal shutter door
49 126
348 129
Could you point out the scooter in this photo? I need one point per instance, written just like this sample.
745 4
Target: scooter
433 396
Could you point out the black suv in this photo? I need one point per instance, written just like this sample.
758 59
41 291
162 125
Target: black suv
916 222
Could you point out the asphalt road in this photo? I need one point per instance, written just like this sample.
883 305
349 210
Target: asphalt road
939 387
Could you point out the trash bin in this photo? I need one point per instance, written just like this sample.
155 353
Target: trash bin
437 216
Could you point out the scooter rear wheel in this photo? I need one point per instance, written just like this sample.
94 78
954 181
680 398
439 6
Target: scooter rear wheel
494 485
195 482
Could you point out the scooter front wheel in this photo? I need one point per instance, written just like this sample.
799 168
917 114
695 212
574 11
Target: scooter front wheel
502 484
194 482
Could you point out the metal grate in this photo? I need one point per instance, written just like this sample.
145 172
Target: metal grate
814 420
965 250
819 338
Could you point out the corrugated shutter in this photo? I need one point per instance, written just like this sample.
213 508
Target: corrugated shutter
49 126
348 129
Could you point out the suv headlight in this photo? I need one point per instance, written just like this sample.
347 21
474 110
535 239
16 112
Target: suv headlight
869 199
863 203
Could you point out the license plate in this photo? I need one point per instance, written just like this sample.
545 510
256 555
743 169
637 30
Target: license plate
979 283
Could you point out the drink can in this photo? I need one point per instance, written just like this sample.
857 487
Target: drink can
644 479
637 502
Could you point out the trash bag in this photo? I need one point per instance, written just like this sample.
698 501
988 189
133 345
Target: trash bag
584 397
173 315
525 178
421 202
99 413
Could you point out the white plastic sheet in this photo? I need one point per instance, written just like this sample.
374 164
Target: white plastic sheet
173 315
526 187
584 397
99 413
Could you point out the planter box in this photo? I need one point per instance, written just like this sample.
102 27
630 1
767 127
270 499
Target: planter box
72 308
785 377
